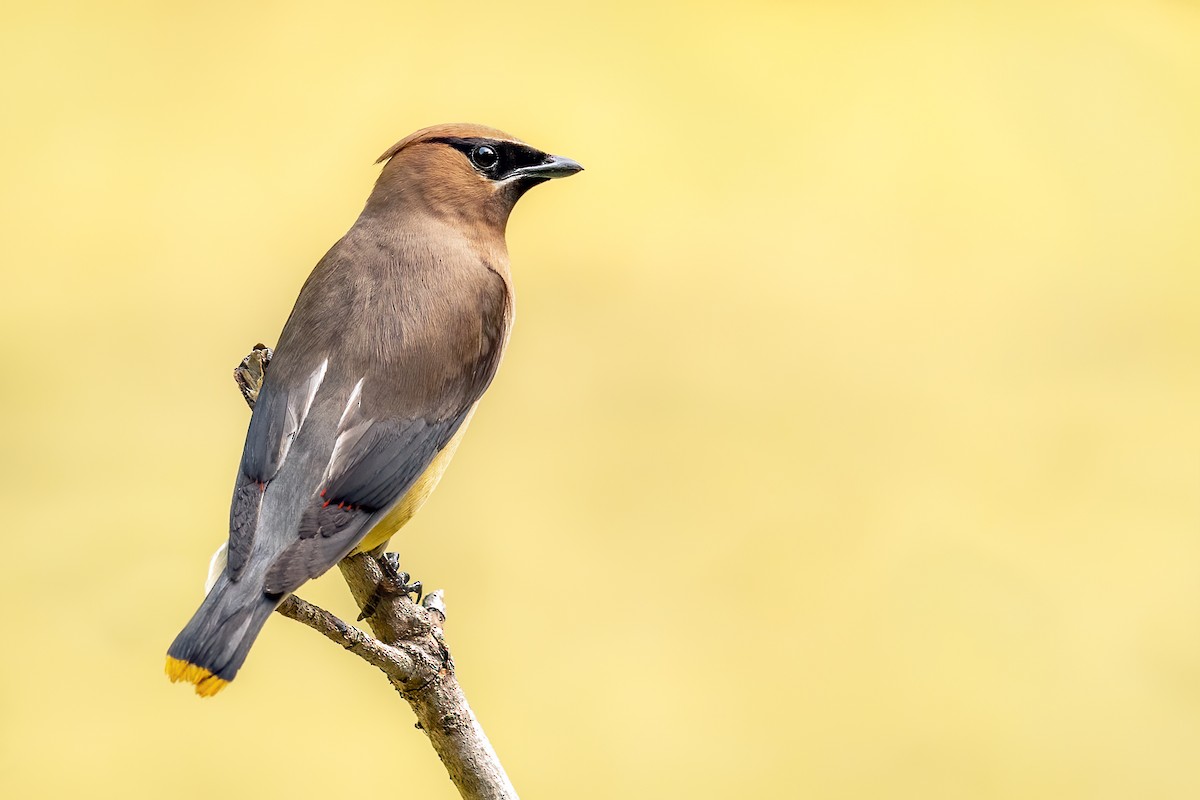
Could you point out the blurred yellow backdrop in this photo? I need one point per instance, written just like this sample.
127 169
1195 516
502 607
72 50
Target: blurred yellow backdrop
847 445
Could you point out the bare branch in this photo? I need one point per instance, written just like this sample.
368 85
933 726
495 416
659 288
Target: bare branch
408 647
395 663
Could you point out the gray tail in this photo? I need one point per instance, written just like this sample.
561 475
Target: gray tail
213 646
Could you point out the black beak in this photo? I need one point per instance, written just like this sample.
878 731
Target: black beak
552 167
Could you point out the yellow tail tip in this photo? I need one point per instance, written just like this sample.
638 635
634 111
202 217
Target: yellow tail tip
206 683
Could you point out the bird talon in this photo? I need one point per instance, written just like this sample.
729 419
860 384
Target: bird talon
393 584
418 589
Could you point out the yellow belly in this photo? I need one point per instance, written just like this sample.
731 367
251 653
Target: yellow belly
415 497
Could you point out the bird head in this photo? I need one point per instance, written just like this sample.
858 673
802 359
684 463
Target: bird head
465 171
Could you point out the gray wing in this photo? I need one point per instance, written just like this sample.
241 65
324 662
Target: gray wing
374 464
278 416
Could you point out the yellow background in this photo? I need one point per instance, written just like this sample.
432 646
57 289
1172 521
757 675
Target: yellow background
847 445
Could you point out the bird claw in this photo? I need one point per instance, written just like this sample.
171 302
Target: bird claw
393 584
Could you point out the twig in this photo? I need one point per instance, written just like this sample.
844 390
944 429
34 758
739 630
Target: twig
408 648
393 661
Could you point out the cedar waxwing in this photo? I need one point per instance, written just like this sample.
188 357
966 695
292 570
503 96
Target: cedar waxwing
394 338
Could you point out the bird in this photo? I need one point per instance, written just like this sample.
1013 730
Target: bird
394 337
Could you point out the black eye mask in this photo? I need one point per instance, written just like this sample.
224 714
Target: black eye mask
510 156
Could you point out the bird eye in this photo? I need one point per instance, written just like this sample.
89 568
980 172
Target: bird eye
484 156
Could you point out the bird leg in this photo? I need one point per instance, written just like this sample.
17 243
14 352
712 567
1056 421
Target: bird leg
393 584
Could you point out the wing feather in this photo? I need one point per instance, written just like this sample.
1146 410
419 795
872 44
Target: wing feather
372 475
277 419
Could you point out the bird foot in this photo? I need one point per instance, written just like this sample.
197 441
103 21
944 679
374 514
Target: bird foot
393 584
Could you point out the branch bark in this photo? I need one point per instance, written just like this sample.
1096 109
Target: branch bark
408 647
